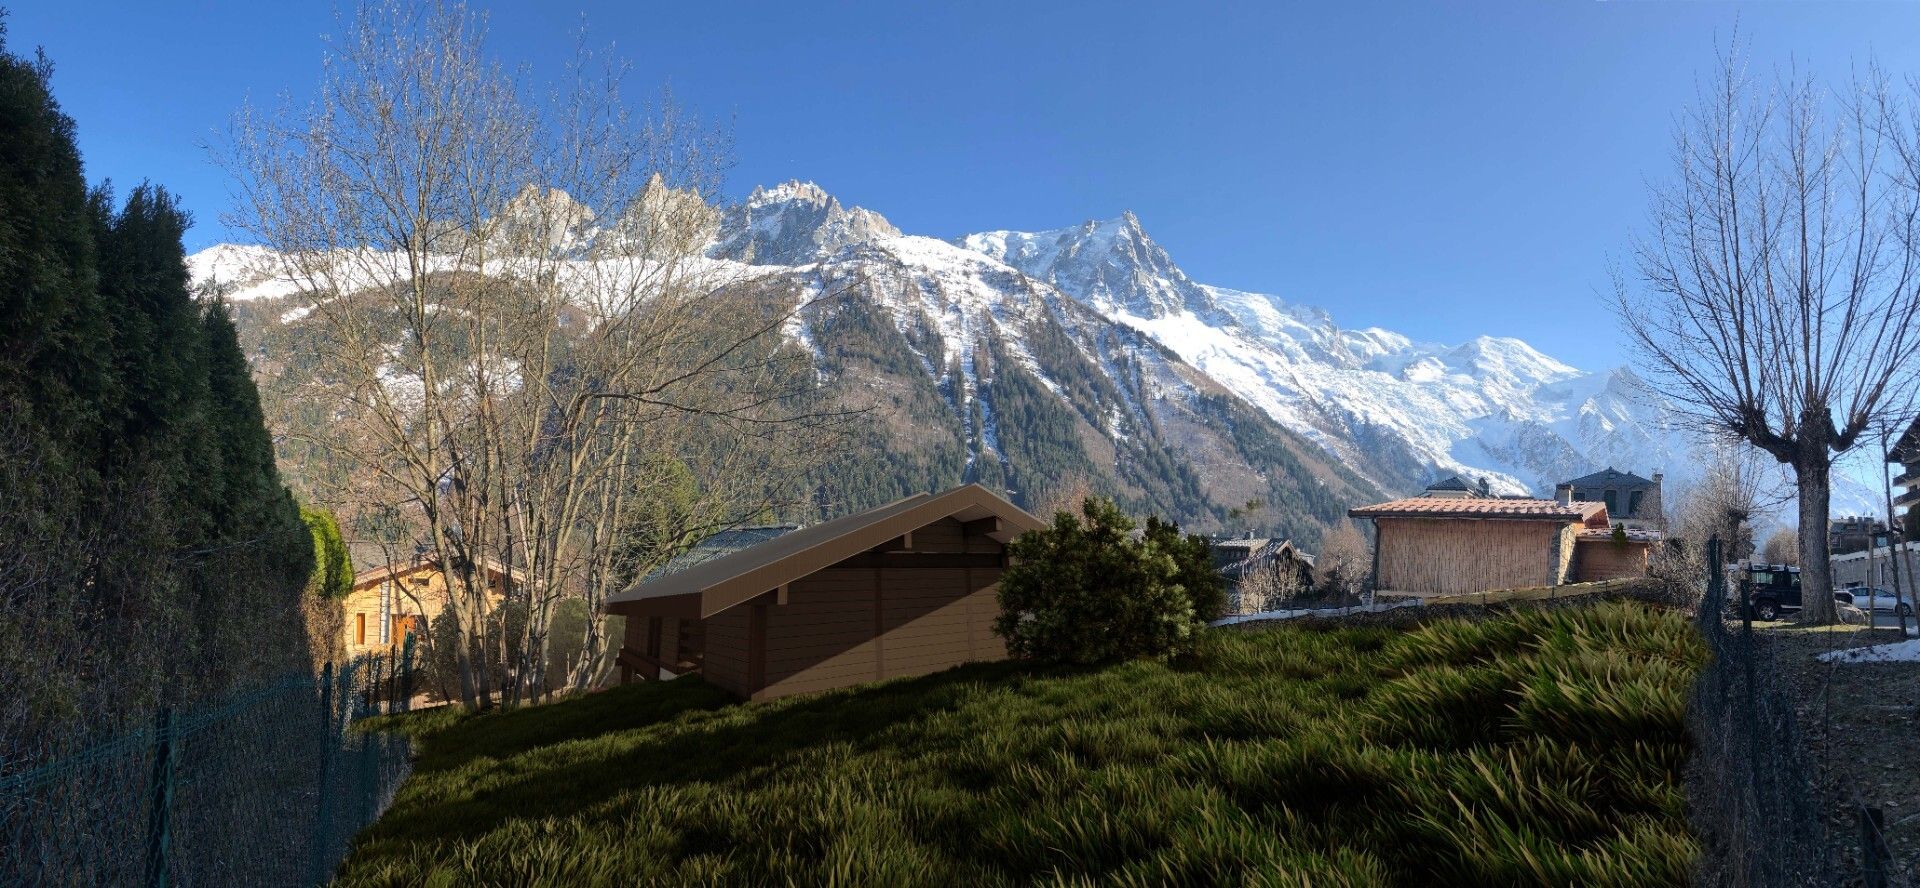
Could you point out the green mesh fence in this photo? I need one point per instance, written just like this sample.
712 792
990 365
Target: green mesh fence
266 787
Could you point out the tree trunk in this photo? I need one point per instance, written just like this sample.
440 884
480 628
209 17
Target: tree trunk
1816 573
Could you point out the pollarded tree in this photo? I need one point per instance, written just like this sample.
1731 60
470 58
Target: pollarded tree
1778 293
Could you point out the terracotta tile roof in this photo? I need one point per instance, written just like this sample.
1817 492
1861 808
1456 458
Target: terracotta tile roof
1476 507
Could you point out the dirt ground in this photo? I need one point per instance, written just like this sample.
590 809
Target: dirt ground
1860 721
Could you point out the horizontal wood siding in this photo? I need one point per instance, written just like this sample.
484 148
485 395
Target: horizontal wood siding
928 619
1440 556
948 535
669 639
726 650
1607 560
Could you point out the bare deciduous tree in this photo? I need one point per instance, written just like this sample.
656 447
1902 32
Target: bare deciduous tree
1732 489
1270 585
522 350
1783 547
1345 564
1778 294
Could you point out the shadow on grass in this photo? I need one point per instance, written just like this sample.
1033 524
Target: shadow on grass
572 757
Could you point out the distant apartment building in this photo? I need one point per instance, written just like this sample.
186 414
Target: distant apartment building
1630 499
1855 533
1906 454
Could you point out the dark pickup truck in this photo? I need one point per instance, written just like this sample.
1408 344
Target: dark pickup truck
1774 589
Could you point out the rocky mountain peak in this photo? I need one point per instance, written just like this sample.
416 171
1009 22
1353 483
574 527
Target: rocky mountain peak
794 223
1110 264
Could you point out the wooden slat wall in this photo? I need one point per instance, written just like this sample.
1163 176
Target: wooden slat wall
947 535
1452 556
669 640
726 650
830 635
1606 560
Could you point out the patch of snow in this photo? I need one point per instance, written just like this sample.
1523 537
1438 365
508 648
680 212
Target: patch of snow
1891 652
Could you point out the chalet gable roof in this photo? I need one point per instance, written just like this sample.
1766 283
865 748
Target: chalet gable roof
1611 477
1452 482
422 563
717 584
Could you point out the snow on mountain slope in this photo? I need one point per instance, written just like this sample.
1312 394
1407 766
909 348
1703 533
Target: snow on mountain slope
1102 301
1406 410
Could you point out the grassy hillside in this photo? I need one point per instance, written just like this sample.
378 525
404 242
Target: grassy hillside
1540 747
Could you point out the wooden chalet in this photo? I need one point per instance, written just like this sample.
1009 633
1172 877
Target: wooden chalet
905 589
1431 545
391 602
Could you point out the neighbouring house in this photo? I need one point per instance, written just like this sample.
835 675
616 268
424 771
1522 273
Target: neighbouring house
1430 545
1456 487
1855 533
1630 499
389 603
1876 566
1238 558
1906 454
905 589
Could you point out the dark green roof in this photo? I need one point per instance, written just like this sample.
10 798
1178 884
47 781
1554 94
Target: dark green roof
725 542
1453 482
1611 477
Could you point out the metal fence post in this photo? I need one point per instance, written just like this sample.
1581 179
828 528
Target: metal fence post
161 793
1874 855
322 832
406 674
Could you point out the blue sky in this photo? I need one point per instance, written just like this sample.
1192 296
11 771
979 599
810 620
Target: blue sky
1444 170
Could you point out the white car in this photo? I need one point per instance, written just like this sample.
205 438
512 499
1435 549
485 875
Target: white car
1870 599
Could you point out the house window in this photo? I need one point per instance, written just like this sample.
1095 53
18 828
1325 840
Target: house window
1633 503
1611 499
360 628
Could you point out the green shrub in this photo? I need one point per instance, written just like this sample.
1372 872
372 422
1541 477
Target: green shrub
1084 590
1193 565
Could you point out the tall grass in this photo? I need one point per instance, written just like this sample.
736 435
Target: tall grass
1538 747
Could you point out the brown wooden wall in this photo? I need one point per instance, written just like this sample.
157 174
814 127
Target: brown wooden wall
1607 560
726 656
890 613
845 626
1440 556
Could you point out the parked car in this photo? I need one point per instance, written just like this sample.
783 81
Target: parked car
1868 598
1774 589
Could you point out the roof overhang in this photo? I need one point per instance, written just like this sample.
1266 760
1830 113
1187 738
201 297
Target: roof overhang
713 586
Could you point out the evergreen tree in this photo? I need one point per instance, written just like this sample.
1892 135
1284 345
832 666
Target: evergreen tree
150 550
1194 571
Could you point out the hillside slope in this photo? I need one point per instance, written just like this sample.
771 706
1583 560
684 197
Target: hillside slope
1536 747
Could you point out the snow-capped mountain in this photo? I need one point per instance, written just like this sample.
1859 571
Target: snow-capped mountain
1404 410
1027 360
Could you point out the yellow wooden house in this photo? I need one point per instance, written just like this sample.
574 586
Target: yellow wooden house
390 602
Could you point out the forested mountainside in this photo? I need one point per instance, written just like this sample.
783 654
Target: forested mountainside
1084 357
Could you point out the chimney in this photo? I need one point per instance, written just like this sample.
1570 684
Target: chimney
1563 494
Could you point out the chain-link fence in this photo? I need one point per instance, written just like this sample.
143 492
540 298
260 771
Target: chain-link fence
263 788
1753 799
